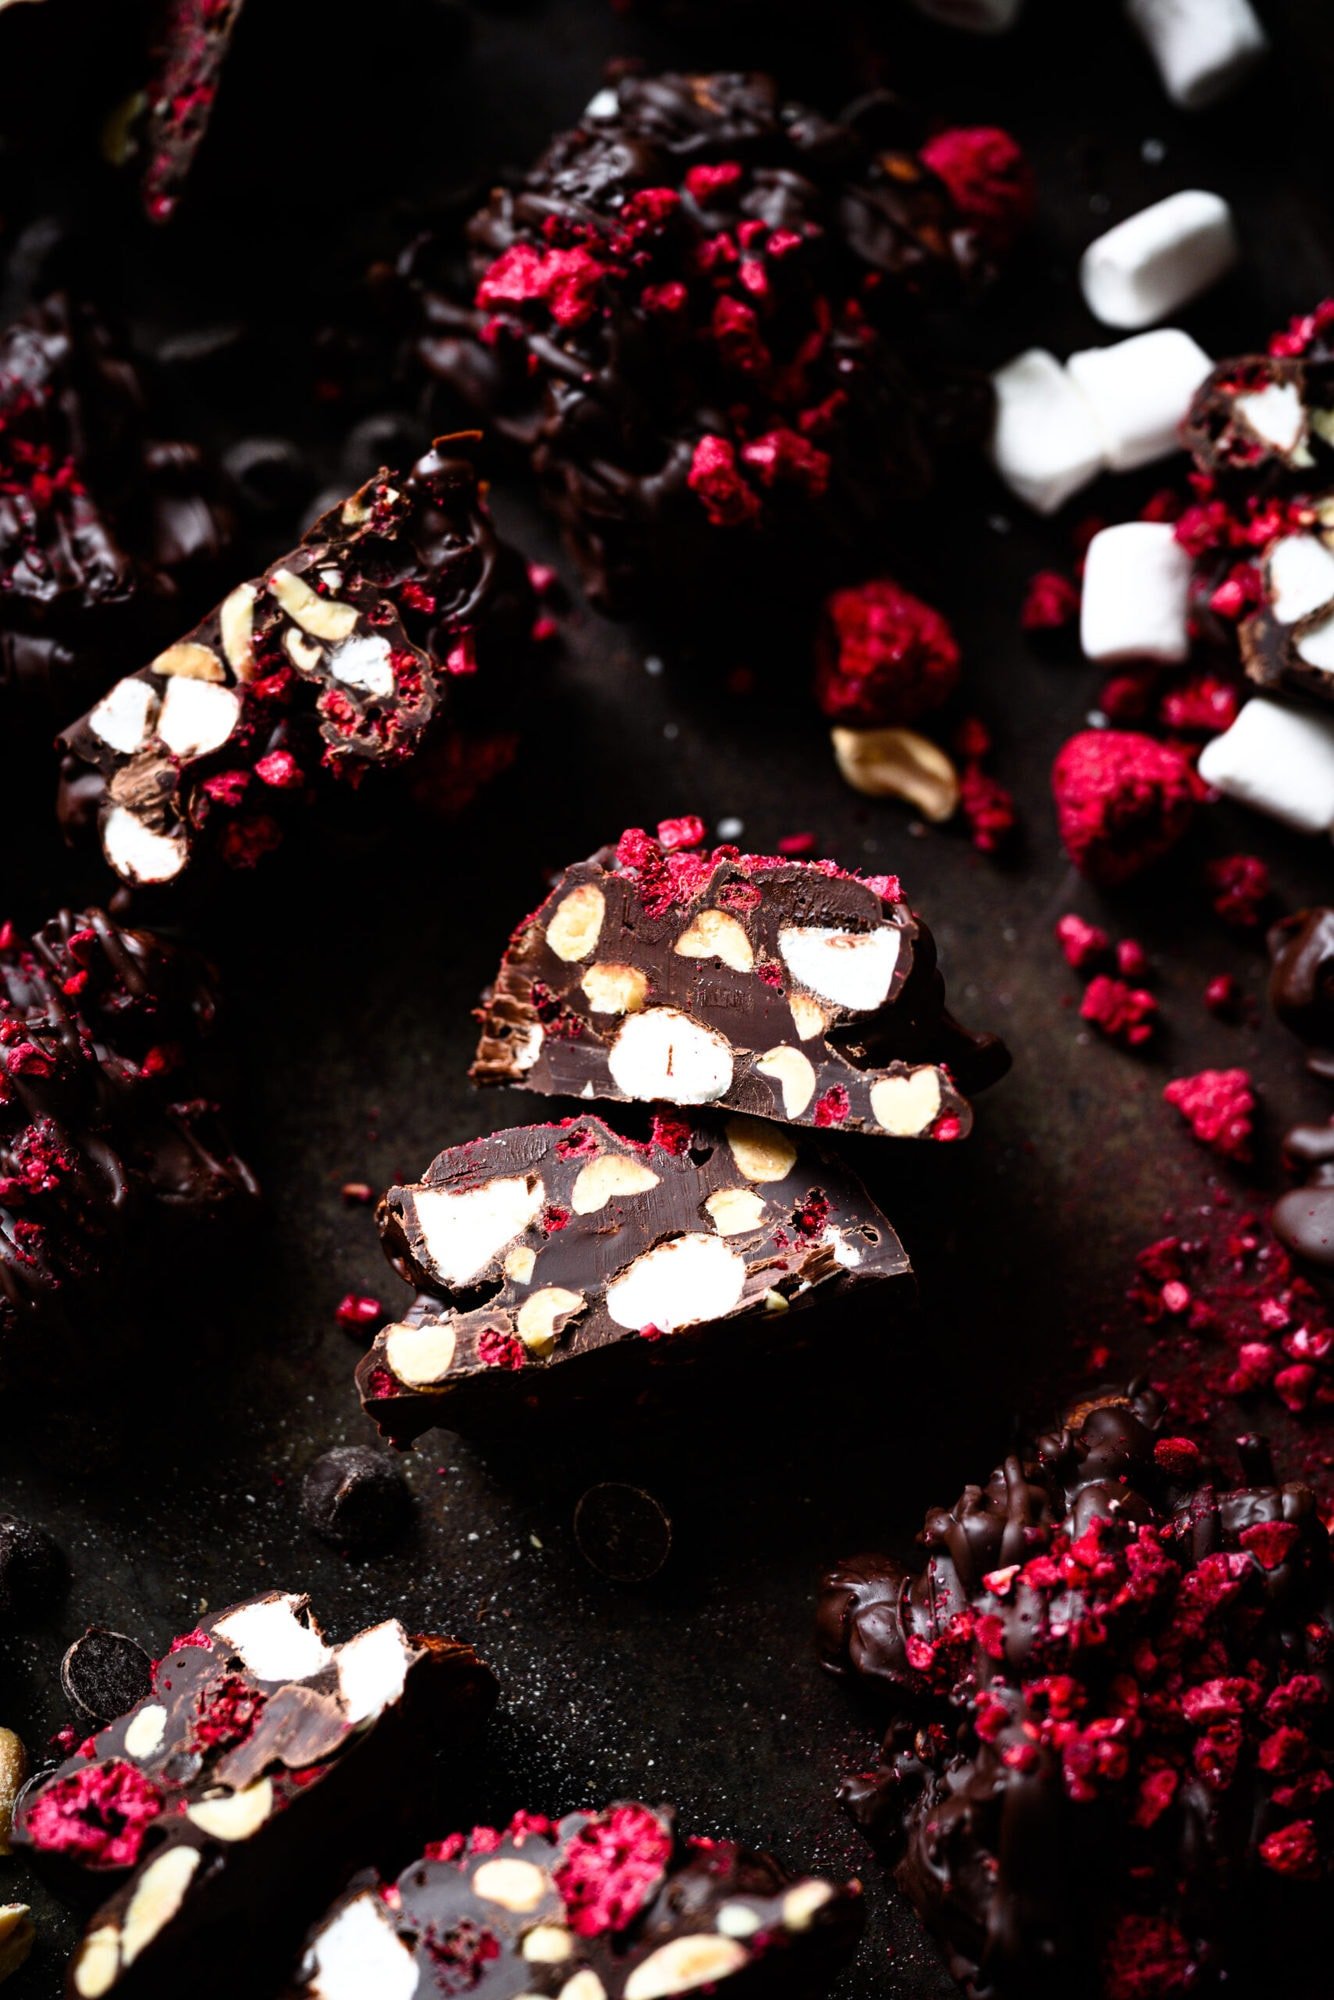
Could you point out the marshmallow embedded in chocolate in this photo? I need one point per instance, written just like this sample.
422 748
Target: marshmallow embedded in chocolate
231 1799
606 1905
789 990
556 1261
351 653
1111 1679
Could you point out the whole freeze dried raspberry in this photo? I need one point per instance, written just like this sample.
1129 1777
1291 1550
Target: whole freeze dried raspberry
1219 1107
1122 801
883 657
988 174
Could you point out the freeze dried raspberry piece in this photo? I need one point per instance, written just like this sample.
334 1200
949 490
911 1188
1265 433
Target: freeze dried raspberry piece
1219 1107
1093 1672
352 653
559 1262
883 657
694 313
101 519
236 1795
1122 801
191 41
615 1903
108 1149
788 989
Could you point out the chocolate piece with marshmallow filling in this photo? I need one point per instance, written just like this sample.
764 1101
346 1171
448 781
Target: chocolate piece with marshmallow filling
661 972
561 1261
610 1905
264 1763
350 654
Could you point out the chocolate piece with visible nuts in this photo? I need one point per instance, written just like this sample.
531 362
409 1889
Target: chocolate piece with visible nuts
349 654
1113 1741
105 1141
238 1793
692 314
559 1261
356 1498
610 1905
792 990
1301 983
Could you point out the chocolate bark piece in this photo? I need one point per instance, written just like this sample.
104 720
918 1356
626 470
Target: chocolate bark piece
107 1146
692 315
102 520
347 656
661 972
1251 419
191 42
234 1798
1113 1745
614 1903
1303 1218
1301 983
560 1261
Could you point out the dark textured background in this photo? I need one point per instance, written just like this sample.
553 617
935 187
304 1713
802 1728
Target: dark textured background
349 1027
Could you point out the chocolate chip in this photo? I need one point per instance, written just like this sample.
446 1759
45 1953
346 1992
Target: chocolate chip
622 1532
356 1498
104 1675
32 1567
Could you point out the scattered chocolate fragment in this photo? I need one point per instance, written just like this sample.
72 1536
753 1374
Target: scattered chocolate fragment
558 1261
612 1903
1303 1218
105 1675
348 655
1112 1670
102 520
191 41
356 1498
693 313
622 1531
659 971
105 1141
235 1796
1301 983
33 1570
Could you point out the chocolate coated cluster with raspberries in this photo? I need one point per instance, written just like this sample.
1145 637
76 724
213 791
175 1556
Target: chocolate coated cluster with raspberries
103 1133
1111 1678
101 520
354 652
694 314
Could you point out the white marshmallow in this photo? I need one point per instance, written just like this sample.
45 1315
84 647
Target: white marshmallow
1046 443
1203 48
679 1283
1136 594
1140 391
978 17
276 1637
1277 415
463 1233
358 1952
1155 261
1279 760
1300 571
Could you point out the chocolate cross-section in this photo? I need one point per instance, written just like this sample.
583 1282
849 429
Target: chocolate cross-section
610 1905
343 657
263 1765
1112 1741
560 1260
662 972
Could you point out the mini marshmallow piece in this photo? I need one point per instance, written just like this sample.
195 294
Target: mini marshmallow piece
1140 391
372 1668
1155 261
275 1638
1203 48
1136 594
1301 577
1046 443
1279 760
358 1953
977 17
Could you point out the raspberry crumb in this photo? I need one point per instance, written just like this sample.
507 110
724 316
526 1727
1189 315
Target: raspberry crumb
989 177
1050 601
1219 1107
883 657
358 1309
1123 1013
99 1815
1239 887
1082 943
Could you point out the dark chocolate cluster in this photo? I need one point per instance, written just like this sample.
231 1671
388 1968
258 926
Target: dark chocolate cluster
355 652
1112 1753
105 1139
694 314
101 520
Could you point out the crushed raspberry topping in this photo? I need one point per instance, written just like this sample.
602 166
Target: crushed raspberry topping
611 1867
99 1815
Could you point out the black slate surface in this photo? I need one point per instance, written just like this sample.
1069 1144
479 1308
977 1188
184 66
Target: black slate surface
351 975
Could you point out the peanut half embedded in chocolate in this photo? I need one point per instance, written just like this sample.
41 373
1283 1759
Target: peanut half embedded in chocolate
610 1905
662 972
556 1260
